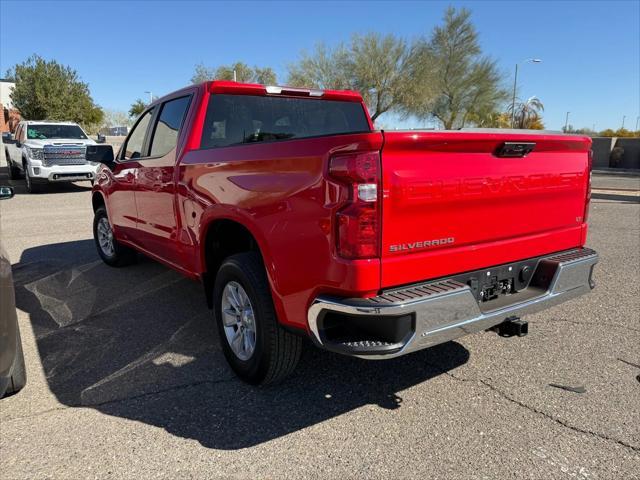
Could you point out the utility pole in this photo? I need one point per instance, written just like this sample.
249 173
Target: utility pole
637 120
623 117
515 84
513 103
566 122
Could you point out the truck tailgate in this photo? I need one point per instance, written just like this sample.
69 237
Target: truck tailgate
452 204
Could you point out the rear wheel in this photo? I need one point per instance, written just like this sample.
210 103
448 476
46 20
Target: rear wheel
257 348
110 250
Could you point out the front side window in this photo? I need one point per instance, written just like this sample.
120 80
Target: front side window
135 142
47 132
165 136
239 119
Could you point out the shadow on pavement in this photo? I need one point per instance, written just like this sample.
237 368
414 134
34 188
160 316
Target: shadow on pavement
139 343
63 187
616 197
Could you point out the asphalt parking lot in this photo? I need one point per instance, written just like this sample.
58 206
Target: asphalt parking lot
127 379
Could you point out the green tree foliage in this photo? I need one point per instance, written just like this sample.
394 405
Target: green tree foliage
489 119
536 124
325 68
465 83
244 73
137 108
527 113
581 131
46 90
202 74
621 132
377 66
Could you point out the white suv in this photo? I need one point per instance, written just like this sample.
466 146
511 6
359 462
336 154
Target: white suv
46 152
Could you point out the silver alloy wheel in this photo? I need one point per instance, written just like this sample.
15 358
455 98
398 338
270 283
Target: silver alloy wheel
105 237
238 320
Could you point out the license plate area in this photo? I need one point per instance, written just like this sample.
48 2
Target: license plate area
502 285
497 287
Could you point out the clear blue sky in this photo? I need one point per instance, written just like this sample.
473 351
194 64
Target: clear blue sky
590 50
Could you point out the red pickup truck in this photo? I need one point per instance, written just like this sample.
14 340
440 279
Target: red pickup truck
300 219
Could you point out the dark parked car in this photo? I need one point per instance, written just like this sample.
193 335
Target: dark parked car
13 375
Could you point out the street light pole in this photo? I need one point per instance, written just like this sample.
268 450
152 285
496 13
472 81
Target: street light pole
566 122
515 86
513 103
637 120
150 96
623 117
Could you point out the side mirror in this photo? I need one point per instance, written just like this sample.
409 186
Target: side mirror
6 192
102 153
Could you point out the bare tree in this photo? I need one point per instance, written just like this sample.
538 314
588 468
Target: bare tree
116 118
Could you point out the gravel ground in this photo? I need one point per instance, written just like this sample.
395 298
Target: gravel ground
127 379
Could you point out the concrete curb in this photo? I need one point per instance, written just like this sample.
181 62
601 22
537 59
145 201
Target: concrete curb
615 191
617 171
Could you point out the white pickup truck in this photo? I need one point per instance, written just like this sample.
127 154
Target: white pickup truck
45 152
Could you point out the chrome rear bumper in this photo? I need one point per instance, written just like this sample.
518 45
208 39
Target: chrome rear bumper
447 309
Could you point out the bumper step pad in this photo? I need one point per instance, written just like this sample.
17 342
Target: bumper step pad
446 309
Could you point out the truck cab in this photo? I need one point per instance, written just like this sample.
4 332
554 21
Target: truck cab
45 152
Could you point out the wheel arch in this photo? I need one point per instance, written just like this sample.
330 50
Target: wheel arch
225 235
97 201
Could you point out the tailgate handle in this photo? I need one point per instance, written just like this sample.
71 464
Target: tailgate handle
515 149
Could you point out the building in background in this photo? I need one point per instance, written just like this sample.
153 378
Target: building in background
9 116
115 131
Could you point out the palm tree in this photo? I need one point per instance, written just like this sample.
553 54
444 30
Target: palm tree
527 113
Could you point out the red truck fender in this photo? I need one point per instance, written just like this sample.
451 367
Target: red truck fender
217 213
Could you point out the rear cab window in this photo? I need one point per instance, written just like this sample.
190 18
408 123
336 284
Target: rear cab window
241 119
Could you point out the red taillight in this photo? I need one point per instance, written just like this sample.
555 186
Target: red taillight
588 199
358 222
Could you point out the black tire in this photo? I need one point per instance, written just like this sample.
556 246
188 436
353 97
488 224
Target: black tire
19 371
122 256
14 172
277 351
31 187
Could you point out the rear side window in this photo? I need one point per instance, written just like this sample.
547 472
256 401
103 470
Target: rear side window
165 136
238 119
